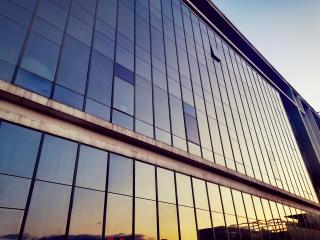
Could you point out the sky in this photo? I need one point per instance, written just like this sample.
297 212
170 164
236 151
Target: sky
287 34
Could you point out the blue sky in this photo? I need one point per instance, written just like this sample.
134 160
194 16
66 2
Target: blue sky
287 33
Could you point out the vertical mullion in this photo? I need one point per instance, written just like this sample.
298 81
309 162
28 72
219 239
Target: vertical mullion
33 179
177 203
105 205
157 201
194 206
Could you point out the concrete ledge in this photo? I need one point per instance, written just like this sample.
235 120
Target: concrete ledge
39 104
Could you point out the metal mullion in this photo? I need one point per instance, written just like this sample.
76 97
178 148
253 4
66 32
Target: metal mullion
223 211
208 199
90 56
73 187
194 206
277 136
105 204
25 41
157 201
133 197
236 89
54 82
33 179
177 205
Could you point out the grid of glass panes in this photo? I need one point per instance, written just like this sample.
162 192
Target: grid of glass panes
54 188
153 67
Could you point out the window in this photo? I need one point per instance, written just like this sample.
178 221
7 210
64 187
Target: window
168 226
15 13
161 110
145 181
57 160
205 231
214 197
87 214
120 175
103 45
187 223
96 109
73 65
100 79
125 58
52 14
143 100
122 119
119 217
145 218
92 168
126 21
48 211
12 37
41 57
13 191
184 190
123 96
124 73
192 129
200 194
19 149
227 200
142 33
10 222
6 71
166 186
177 121
68 97
47 30
79 30
157 44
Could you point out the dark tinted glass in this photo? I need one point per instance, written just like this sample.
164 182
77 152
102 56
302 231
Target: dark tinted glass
41 57
87 214
92 168
168 226
100 80
145 219
18 149
57 160
192 129
124 73
119 217
11 41
13 191
120 174
34 83
145 186
73 65
10 221
68 97
123 96
48 211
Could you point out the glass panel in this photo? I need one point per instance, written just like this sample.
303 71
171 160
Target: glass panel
214 197
79 30
68 97
145 219
6 71
200 194
205 230
145 181
184 190
192 129
124 73
107 11
227 200
166 186
10 221
249 206
47 30
87 214
48 211
73 65
123 96
122 119
238 203
12 37
41 57
57 160
220 229
100 78
119 217
96 109
168 226
177 121
161 109
52 14
143 100
120 174
18 149
92 168
13 191
188 229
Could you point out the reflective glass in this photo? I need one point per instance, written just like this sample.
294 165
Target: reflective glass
238 203
122 119
87 214
145 185
145 219
18 149
184 190
161 111
40 57
97 109
47 30
73 65
52 14
120 174
119 217
92 168
214 197
10 221
220 229
192 129
16 13
6 71
177 121
143 100
48 211
166 186
100 78
227 200
188 229
124 73
79 30
107 11
205 230
68 97
103 45
125 58
200 194
13 191
168 225
57 160
123 96
143 128
12 37
125 21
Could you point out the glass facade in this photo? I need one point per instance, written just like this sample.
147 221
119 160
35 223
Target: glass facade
89 193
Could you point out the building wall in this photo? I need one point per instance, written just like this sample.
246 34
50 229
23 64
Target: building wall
152 82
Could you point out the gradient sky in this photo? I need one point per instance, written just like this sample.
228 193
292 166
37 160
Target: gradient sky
287 34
